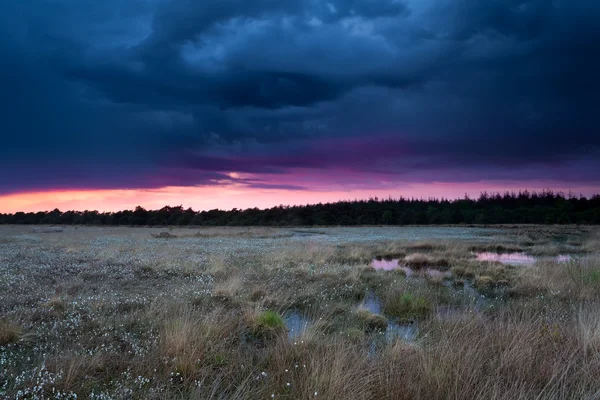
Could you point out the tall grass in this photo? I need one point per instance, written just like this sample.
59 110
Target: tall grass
170 319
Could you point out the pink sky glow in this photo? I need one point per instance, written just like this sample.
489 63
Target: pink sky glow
230 195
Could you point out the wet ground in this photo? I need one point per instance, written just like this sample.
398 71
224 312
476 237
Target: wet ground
383 264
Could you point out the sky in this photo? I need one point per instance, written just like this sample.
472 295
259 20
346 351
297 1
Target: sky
235 103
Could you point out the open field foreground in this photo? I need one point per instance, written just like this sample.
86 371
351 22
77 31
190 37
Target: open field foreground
325 313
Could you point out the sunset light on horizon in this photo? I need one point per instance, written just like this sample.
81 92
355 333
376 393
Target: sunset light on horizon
109 105
230 197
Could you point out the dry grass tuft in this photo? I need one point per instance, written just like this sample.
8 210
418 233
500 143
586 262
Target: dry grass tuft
57 304
191 341
484 282
463 272
420 261
371 321
589 328
230 288
9 332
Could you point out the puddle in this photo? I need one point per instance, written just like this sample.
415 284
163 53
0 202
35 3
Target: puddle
474 295
476 299
407 332
296 323
507 258
382 264
517 258
394 330
437 274
371 303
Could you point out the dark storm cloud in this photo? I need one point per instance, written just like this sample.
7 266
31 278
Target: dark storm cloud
178 21
149 93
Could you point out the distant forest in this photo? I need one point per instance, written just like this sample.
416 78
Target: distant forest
525 207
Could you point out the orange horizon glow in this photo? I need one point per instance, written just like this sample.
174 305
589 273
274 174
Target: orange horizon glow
227 197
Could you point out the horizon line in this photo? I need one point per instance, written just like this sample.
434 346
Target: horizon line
566 195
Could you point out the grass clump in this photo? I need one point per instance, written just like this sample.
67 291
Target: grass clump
576 280
484 282
354 334
419 261
371 321
407 306
267 325
584 274
270 320
57 304
463 272
258 294
9 332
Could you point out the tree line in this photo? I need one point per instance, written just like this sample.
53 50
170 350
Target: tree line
524 207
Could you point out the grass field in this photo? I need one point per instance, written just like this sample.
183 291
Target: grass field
260 313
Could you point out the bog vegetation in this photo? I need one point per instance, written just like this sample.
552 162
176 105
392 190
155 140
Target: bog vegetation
515 208
261 313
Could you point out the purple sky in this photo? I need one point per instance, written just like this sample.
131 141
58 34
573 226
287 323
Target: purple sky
347 97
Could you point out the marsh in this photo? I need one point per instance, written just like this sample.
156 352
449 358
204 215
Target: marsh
244 313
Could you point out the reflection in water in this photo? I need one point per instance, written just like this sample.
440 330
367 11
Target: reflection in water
516 258
382 264
296 323
563 258
437 274
371 303
507 258
478 300
407 332
385 265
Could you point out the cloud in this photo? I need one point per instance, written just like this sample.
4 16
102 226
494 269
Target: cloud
152 93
